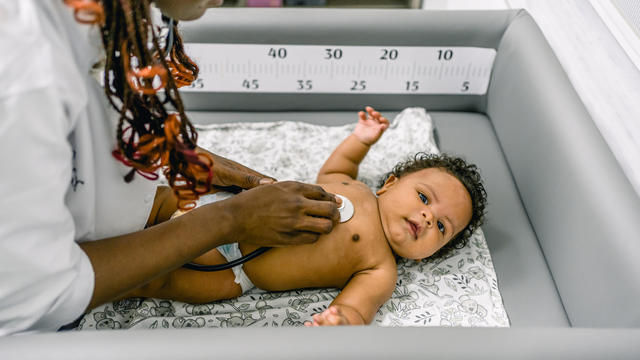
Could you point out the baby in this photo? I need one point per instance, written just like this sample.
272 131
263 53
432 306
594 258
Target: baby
422 205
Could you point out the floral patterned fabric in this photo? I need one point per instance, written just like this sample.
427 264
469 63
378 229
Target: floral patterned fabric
457 289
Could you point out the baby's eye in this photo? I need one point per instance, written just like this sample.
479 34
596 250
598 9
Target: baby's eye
423 198
441 227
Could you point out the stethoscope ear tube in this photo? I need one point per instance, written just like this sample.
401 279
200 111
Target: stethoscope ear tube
169 42
229 265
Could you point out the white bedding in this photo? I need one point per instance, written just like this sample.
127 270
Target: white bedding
460 290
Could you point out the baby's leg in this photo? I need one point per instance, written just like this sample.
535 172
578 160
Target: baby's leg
194 286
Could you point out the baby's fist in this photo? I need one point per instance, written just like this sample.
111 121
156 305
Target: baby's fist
371 125
330 317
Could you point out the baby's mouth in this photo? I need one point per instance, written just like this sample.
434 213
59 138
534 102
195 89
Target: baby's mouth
414 229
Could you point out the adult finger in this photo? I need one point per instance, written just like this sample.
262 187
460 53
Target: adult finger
230 173
323 209
315 192
251 180
316 225
302 237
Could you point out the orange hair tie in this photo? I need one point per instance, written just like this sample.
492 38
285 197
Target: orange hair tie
152 146
87 11
181 75
141 80
172 128
198 172
203 183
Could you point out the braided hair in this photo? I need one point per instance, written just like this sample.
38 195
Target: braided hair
141 82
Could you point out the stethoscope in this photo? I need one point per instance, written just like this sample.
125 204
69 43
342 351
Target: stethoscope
346 212
169 42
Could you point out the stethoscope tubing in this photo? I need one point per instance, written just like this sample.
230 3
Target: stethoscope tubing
229 265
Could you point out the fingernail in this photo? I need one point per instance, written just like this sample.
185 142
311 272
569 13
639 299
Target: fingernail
266 181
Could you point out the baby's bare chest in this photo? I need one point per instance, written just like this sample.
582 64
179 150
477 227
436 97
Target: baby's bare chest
355 245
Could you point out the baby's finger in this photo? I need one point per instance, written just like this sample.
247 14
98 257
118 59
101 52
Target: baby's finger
362 116
317 319
333 320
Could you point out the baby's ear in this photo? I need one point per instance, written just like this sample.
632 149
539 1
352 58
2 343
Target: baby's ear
387 184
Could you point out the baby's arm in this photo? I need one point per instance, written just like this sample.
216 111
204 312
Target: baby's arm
345 159
360 299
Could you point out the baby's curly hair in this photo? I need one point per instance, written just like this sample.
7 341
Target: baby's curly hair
466 173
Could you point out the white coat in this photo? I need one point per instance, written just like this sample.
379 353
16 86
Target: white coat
59 184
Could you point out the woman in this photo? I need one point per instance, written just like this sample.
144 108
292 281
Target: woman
82 222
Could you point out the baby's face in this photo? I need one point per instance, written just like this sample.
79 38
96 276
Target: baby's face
422 211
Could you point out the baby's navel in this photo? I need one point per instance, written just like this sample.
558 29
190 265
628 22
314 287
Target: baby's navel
355 237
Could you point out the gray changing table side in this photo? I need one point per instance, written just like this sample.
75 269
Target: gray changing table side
347 342
582 207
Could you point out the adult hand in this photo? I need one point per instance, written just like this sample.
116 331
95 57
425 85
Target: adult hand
280 214
230 176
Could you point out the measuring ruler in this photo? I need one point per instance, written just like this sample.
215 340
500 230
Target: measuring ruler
341 69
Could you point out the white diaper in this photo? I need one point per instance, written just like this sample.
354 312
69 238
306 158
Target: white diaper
232 252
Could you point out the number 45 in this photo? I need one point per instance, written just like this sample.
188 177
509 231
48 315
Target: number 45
250 84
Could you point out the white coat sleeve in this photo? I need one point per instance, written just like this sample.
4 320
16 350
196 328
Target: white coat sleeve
46 280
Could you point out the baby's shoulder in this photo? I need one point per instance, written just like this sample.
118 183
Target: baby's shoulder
351 189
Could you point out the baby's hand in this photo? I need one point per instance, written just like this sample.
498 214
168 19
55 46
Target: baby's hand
330 317
370 126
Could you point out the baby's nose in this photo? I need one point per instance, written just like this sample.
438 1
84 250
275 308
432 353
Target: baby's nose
428 217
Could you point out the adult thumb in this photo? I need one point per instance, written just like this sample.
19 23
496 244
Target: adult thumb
251 181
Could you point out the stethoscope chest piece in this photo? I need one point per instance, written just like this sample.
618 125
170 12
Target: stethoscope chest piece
346 209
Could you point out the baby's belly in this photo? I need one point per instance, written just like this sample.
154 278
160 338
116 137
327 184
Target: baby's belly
302 266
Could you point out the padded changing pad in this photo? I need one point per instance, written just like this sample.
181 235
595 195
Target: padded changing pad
459 289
